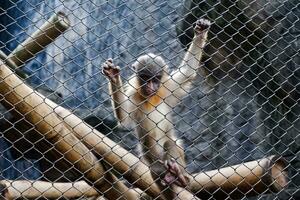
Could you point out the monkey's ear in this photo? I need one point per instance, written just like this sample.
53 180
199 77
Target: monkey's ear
134 67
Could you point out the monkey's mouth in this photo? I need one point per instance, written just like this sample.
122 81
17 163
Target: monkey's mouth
149 91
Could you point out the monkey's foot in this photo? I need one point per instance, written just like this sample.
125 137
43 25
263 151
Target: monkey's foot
110 70
175 174
202 25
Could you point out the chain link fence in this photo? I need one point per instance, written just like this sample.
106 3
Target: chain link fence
239 122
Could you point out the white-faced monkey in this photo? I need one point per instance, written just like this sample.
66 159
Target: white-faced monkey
147 103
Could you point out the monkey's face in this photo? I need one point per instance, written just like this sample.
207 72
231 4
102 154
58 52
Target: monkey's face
150 70
149 83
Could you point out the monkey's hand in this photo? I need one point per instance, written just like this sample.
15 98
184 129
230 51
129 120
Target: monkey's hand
175 174
202 26
111 71
201 30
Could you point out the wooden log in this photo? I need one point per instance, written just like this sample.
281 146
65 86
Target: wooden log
46 34
36 189
12 65
247 179
8 62
32 106
41 112
4 194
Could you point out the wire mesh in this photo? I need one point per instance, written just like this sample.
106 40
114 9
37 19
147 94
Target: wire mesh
237 122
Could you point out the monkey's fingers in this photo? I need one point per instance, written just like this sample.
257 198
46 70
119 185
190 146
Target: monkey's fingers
105 69
116 71
169 166
109 70
105 72
175 173
179 180
118 68
202 25
110 64
168 179
172 166
182 180
172 179
104 66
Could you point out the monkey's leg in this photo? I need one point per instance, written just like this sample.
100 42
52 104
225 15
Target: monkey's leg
175 164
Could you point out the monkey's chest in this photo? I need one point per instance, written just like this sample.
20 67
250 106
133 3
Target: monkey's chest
157 119
152 128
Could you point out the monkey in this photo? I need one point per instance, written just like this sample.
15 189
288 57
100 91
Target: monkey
151 94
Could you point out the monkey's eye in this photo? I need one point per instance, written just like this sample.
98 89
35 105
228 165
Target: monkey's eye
146 78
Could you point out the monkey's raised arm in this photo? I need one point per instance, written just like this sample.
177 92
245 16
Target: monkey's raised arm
180 80
118 97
